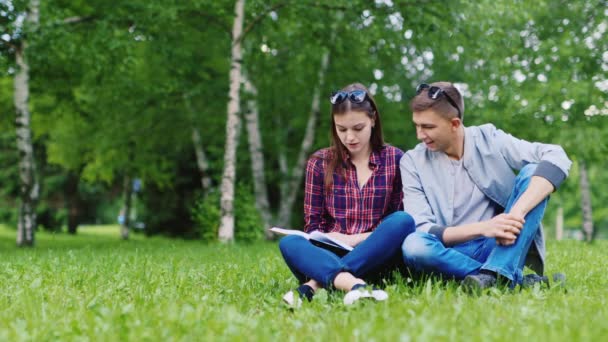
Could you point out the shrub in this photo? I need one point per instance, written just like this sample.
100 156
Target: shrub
206 216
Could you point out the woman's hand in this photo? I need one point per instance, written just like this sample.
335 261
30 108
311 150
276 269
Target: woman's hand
351 240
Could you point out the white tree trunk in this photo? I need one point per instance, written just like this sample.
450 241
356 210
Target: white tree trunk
201 159
559 224
27 167
283 164
257 156
283 188
128 196
586 203
290 186
226 230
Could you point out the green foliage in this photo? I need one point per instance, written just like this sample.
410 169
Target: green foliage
161 289
109 87
166 209
51 218
248 222
9 176
568 197
206 216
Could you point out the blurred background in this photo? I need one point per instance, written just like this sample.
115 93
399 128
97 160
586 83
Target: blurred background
193 118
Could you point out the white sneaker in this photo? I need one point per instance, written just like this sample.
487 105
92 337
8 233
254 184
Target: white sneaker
354 295
292 299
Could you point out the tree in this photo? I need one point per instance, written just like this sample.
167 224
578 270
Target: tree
29 191
226 231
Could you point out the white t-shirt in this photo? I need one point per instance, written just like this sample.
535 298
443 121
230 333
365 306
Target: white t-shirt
470 204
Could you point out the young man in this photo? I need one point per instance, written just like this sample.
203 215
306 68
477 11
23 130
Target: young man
477 194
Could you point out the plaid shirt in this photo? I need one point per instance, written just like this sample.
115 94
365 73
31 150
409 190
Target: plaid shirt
346 208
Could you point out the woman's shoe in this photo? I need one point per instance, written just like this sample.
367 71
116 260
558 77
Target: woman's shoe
363 291
293 299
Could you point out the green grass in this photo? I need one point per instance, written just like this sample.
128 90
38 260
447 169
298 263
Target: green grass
95 287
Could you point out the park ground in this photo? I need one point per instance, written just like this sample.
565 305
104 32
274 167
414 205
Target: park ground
93 286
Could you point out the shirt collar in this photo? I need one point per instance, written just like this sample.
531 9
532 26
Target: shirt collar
374 159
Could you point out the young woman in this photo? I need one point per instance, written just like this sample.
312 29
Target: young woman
353 193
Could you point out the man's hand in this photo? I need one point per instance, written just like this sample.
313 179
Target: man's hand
504 227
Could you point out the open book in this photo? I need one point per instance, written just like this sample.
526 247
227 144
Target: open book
318 239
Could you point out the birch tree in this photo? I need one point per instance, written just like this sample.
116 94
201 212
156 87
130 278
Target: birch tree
288 192
29 189
226 230
257 156
559 223
294 177
126 211
201 157
586 202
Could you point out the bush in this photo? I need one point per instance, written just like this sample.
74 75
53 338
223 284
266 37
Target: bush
249 226
206 216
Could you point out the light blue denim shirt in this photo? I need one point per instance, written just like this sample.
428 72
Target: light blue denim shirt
491 158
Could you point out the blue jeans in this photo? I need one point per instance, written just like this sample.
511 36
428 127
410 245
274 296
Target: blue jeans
425 252
382 248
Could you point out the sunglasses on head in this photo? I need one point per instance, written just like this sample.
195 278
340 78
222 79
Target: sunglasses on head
435 92
355 96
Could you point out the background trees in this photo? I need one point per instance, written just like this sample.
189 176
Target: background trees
140 90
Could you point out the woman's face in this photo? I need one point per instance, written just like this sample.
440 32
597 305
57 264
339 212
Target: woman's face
355 130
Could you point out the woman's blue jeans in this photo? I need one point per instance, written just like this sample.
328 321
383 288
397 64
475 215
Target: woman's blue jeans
425 252
372 256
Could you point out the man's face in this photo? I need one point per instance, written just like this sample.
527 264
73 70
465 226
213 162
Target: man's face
435 131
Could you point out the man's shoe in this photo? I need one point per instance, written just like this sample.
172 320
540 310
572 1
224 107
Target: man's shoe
362 291
559 280
529 280
475 283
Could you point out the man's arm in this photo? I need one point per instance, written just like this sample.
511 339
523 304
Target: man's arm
504 227
415 201
538 189
416 204
553 162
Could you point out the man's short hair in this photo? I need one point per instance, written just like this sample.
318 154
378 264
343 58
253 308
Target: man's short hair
441 105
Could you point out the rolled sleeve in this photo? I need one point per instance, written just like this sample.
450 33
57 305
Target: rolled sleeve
550 172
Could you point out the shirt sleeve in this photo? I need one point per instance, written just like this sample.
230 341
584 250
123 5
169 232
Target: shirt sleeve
396 201
554 164
314 196
415 201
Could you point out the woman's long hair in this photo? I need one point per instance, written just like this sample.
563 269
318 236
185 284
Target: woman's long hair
337 149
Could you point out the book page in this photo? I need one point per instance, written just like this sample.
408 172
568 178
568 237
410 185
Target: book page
317 235
284 231
326 241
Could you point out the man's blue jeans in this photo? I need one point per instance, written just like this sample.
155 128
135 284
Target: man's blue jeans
425 252
381 249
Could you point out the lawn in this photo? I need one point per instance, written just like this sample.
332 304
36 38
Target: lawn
95 287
